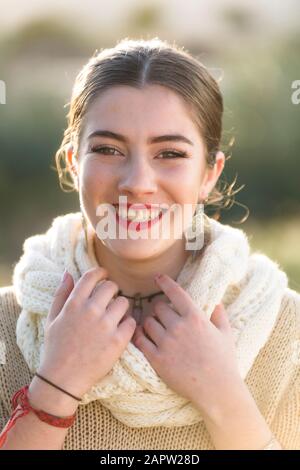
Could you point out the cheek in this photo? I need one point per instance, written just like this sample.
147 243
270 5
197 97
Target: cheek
94 178
184 182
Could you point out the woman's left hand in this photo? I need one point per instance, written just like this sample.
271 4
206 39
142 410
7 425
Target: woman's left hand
194 356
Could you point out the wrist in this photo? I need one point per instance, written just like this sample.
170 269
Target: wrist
219 403
62 377
45 397
234 420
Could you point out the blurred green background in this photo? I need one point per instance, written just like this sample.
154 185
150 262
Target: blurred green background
257 58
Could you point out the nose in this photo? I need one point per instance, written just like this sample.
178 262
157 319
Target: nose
138 179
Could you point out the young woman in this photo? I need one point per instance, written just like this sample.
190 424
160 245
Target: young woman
142 342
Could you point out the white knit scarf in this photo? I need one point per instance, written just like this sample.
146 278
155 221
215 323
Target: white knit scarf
251 287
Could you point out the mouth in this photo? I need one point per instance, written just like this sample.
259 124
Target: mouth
139 217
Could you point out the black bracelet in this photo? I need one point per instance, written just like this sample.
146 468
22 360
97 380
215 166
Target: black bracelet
56 386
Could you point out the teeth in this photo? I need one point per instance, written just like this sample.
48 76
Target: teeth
141 215
132 214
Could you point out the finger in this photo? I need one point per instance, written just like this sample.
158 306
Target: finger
164 313
99 283
126 331
127 315
104 293
154 330
138 330
180 299
61 295
219 318
86 284
117 310
144 344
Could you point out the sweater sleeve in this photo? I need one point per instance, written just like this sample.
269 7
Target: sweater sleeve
14 372
286 421
4 415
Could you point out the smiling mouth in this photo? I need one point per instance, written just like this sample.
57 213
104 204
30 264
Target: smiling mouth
138 219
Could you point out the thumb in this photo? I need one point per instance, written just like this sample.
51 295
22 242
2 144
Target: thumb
61 294
219 318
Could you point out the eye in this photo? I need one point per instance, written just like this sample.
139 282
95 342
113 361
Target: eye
104 150
174 154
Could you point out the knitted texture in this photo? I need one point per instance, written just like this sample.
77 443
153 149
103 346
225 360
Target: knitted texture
251 287
274 382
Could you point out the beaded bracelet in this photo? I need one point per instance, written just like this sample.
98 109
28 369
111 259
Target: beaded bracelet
21 407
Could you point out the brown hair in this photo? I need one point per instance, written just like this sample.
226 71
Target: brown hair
137 63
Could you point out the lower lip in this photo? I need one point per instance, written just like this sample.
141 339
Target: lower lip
137 226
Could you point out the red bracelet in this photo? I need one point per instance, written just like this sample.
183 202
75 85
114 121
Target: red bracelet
21 407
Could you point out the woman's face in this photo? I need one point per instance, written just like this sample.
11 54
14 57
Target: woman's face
136 164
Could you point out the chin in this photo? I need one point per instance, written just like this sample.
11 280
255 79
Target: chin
136 249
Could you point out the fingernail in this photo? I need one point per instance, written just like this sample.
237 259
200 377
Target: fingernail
64 276
158 277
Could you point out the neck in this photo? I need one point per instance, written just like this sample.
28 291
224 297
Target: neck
134 276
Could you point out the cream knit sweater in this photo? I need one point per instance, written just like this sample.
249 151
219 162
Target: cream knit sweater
271 370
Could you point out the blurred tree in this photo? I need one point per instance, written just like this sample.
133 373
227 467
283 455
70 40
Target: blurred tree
45 36
238 19
146 18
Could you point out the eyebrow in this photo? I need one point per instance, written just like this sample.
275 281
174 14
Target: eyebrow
151 140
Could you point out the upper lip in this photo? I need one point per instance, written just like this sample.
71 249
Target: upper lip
140 206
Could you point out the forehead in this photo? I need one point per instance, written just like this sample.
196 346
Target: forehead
154 108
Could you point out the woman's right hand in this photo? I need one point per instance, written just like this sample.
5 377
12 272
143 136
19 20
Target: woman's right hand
86 332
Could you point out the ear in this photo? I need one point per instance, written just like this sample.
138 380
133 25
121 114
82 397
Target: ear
212 175
71 160
72 164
